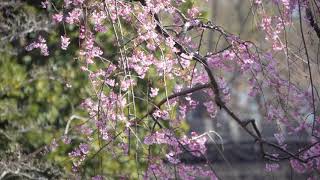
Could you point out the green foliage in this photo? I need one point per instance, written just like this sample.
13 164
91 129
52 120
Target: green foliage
38 95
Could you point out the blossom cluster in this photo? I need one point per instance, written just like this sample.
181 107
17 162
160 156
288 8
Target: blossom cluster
156 69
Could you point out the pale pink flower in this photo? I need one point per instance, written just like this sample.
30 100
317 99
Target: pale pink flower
84 148
74 16
98 177
41 44
258 1
66 139
57 17
45 4
193 12
154 92
297 166
272 167
65 41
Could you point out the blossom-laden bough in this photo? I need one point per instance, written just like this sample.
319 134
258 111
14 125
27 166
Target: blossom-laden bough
154 49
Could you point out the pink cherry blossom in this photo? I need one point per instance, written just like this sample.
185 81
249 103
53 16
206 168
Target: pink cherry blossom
65 41
154 92
41 44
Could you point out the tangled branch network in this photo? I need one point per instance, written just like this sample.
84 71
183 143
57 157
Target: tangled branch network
142 87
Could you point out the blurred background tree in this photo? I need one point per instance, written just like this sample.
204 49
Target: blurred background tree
37 94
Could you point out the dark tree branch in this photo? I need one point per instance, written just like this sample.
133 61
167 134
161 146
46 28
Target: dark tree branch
312 21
